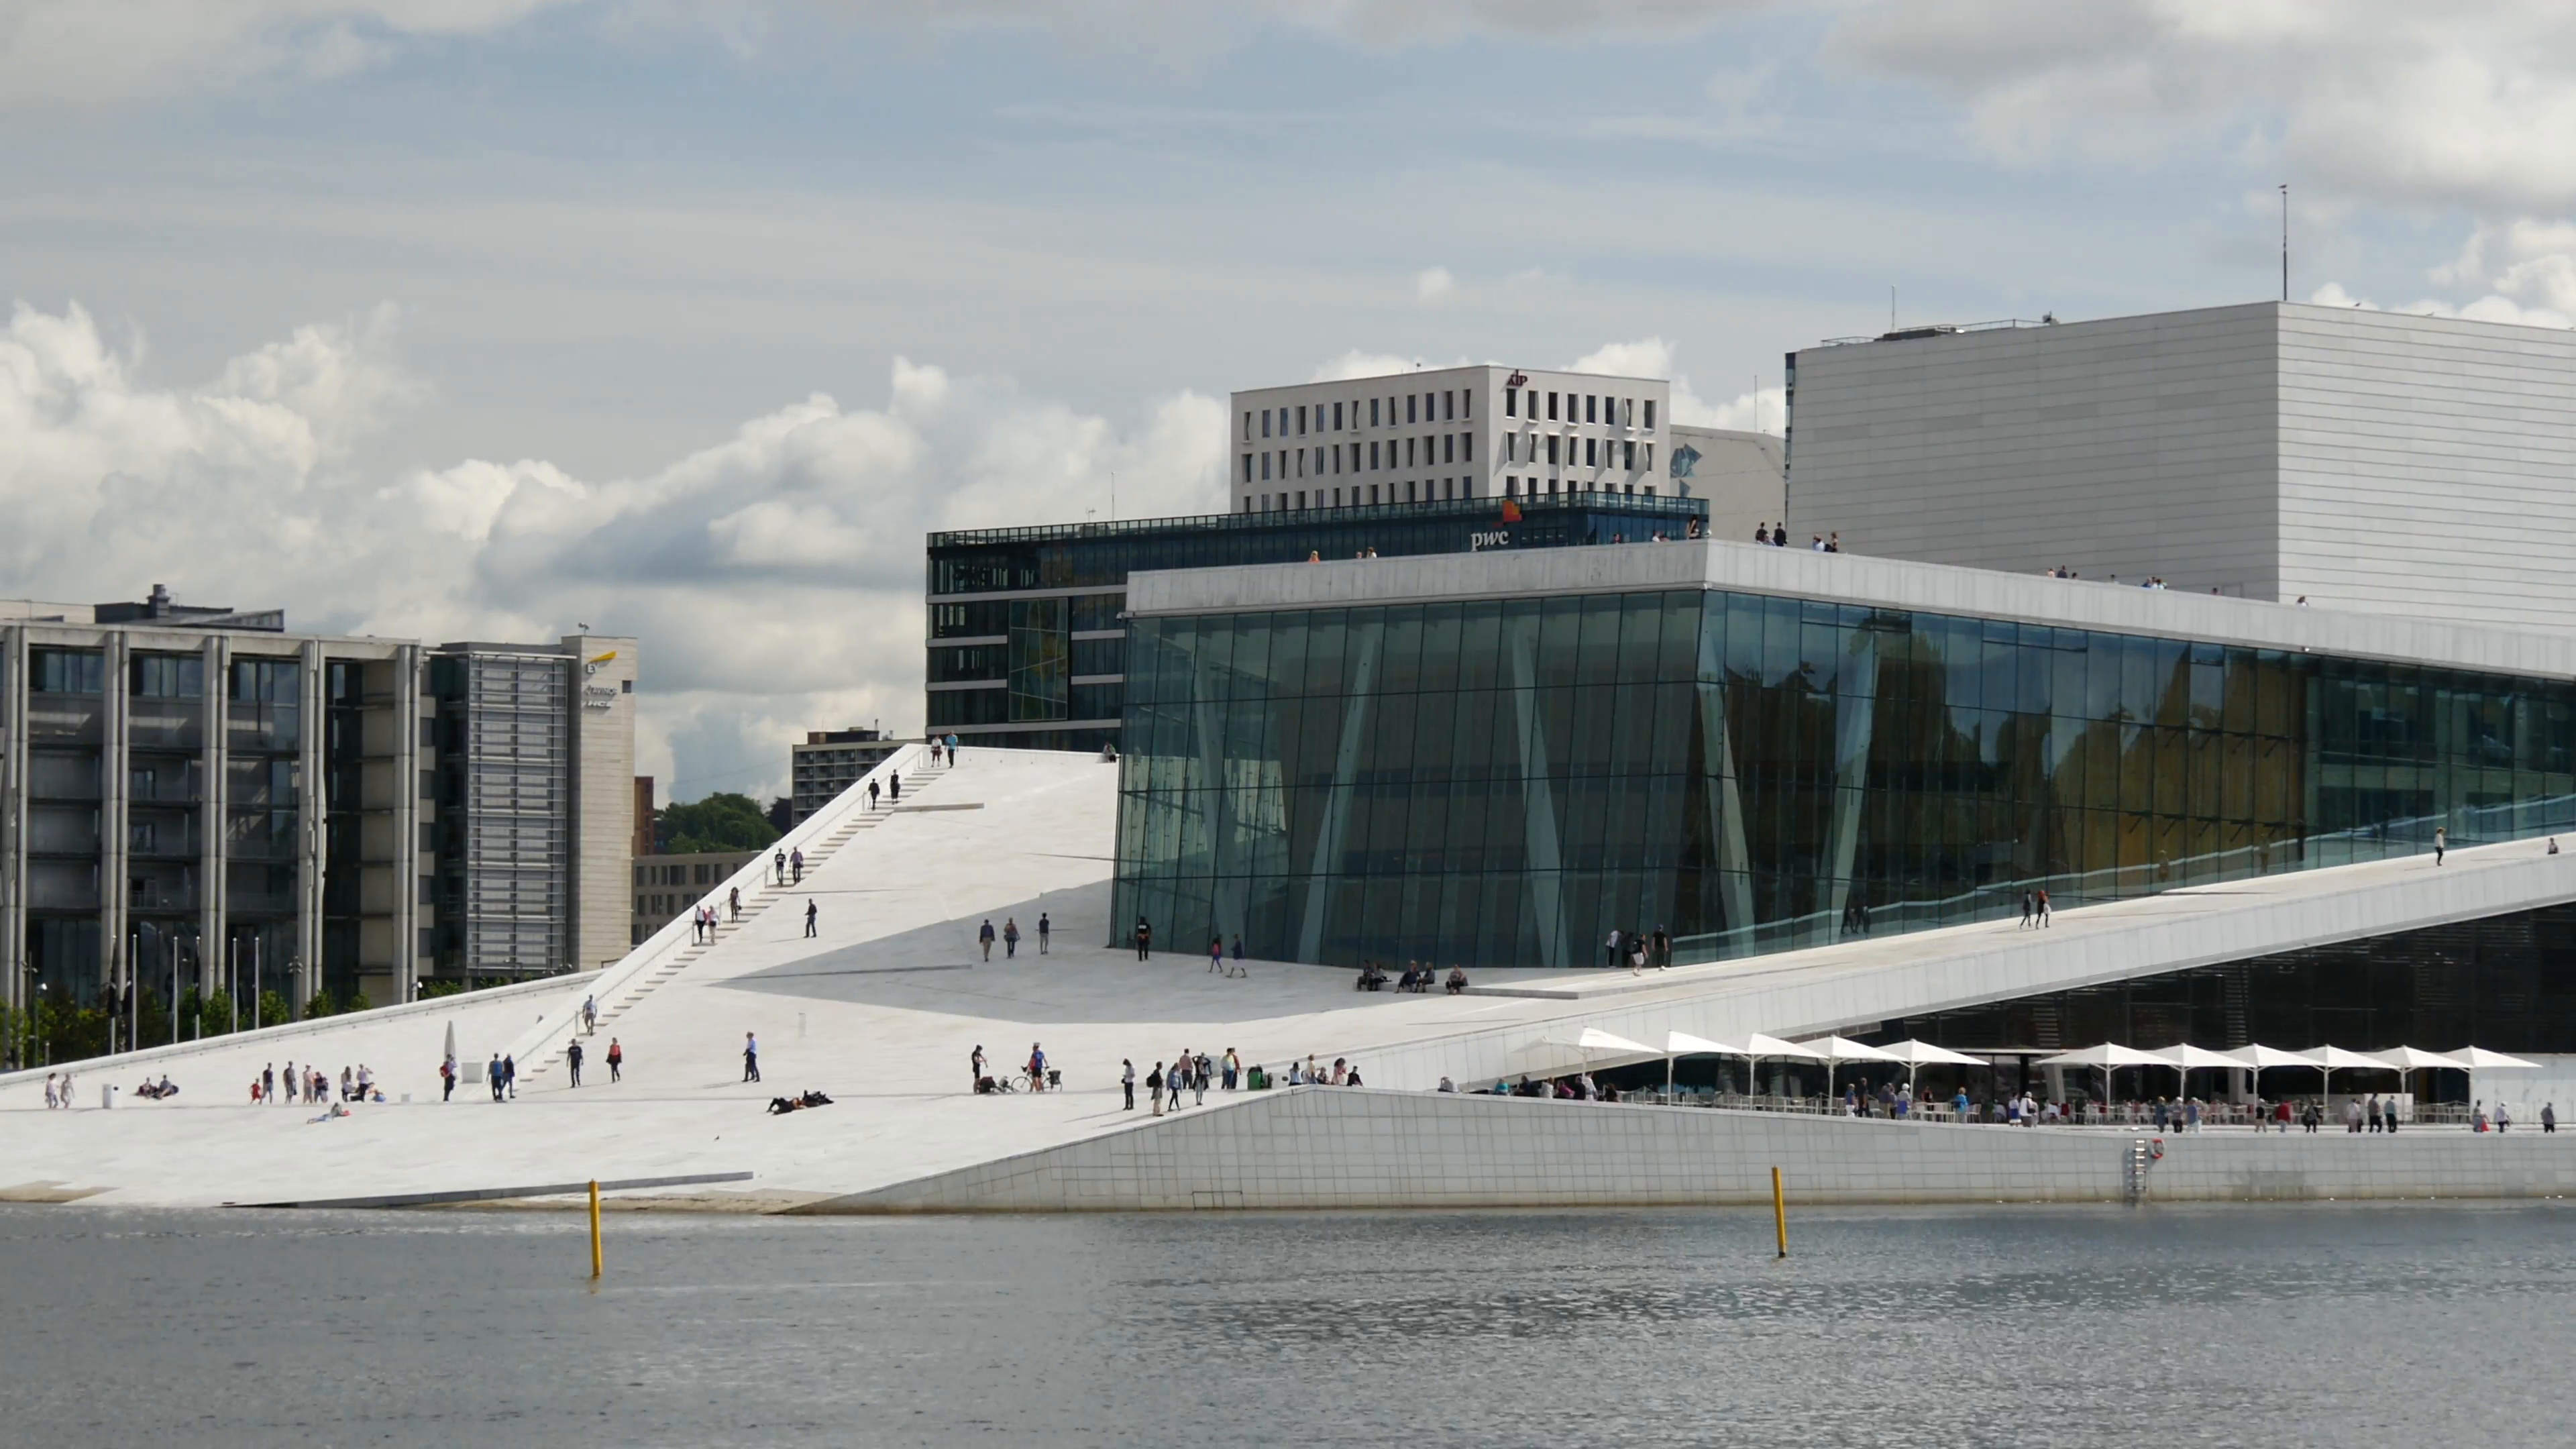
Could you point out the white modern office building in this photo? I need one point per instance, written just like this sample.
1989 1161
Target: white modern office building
2364 460
1448 433
195 799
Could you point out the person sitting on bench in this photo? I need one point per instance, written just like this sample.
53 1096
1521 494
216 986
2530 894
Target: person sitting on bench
1457 979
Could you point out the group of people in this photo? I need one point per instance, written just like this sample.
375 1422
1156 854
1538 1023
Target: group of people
942 748
1637 952
312 1085
58 1097
1010 936
1577 1088
1190 1072
780 1106
703 920
787 867
1770 537
1417 978
2034 910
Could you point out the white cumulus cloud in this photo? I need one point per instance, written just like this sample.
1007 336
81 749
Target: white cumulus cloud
774 576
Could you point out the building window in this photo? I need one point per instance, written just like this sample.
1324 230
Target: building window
1650 417
1372 493
1301 422
68 671
1372 412
1551 407
1650 453
1467 405
1247 467
169 676
1592 452
1629 451
1337 417
1449 407
1511 406
1413 407
1467 447
1337 498
1265 422
1591 408
1301 500
1551 450
1265 467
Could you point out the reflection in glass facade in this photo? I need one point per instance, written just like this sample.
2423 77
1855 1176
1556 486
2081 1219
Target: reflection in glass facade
1503 782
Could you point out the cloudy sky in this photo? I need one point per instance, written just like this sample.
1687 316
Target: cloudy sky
486 317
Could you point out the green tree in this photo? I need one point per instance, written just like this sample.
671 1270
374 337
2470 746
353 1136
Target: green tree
721 821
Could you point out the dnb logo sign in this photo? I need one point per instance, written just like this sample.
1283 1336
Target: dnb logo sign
1497 538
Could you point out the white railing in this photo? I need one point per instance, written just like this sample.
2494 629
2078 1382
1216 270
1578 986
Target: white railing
557 1026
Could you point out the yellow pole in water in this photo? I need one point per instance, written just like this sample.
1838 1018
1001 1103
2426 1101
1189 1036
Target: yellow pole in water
594 1226
1779 1212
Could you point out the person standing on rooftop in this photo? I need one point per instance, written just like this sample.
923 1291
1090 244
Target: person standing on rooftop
811 912
2441 843
2027 904
1043 928
1010 936
750 1057
984 937
796 865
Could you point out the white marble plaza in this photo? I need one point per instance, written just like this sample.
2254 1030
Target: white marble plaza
881 1008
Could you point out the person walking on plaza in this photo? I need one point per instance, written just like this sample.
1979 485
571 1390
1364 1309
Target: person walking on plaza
872 794
1043 928
590 1015
2441 843
1154 1087
2043 909
796 866
1238 948
952 749
1200 1071
812 913
2503 1115
734 899
494 1073
1010 938
1611 948
1144 939
975 1067
510 1075
616 1061
1127 1082
1233 1068
894 790
985 937
572 1062
778 867
2548 1117
446 1080
1216 953
268 1082
2028 903
2351 1116
750 1057
1037 1067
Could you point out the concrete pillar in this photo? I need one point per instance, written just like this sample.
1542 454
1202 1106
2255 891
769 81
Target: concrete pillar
212 825
114 919
13 816
311 816
406 803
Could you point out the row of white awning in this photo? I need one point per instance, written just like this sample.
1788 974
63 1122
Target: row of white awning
2262 1058
1595 1045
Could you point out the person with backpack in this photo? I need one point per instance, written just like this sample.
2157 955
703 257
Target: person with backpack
616 1061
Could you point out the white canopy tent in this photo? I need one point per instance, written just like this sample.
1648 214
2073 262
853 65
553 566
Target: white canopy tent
1550 1055
2332 1059
1678 1044
1837 1050
1757 1046
1920 1054
2107 1058
2480 1059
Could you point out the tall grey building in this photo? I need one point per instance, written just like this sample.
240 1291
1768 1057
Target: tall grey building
831 761
2365 460
196 799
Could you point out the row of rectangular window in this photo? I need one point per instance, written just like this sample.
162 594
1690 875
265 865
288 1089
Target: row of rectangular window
1514 487
1422 490
1419 407
1597 452
161 676
1332 458
1616 412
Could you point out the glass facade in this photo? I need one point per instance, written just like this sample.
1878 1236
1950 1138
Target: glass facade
1026 640
1504 782
2507 983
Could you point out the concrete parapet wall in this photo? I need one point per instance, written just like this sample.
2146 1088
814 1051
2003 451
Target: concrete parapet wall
1368 1148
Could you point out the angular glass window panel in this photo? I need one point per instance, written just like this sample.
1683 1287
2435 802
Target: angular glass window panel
1820 657
1641 628
1560 638
1780 642
1327 652
1365 648
1388 750
1399 665
2171 772
1597 652
2104 658
1251 659
1480 645
2280 700
1441 633
1677 656
1288 655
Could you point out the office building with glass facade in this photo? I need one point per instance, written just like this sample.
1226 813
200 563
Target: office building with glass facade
1027 637
1499 760
195 801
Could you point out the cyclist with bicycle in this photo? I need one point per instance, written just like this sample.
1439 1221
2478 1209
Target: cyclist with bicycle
1037 1068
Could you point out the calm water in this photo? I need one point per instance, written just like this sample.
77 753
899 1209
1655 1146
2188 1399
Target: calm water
2310 1325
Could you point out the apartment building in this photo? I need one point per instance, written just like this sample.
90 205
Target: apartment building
1443 434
